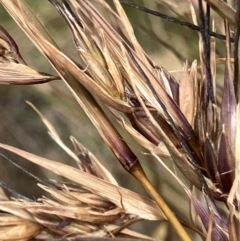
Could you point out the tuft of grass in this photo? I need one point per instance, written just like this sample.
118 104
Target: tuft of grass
190 121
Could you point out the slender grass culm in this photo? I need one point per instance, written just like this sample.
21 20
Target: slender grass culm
192 121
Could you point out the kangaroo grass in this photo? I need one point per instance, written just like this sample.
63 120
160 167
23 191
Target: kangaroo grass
187 120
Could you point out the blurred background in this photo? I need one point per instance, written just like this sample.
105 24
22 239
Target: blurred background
167 44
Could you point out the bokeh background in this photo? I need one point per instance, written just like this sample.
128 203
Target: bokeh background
169 45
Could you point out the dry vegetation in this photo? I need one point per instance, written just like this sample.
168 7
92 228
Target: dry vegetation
191 122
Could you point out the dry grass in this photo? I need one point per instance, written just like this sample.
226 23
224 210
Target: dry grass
189 121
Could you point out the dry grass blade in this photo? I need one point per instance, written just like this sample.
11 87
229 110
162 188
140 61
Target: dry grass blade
103 239
223 9
53 133
229 103
13 69
131 202
20 74
160 149
53 208
8 48
128 28
20 231
188 91
237 150
92 163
